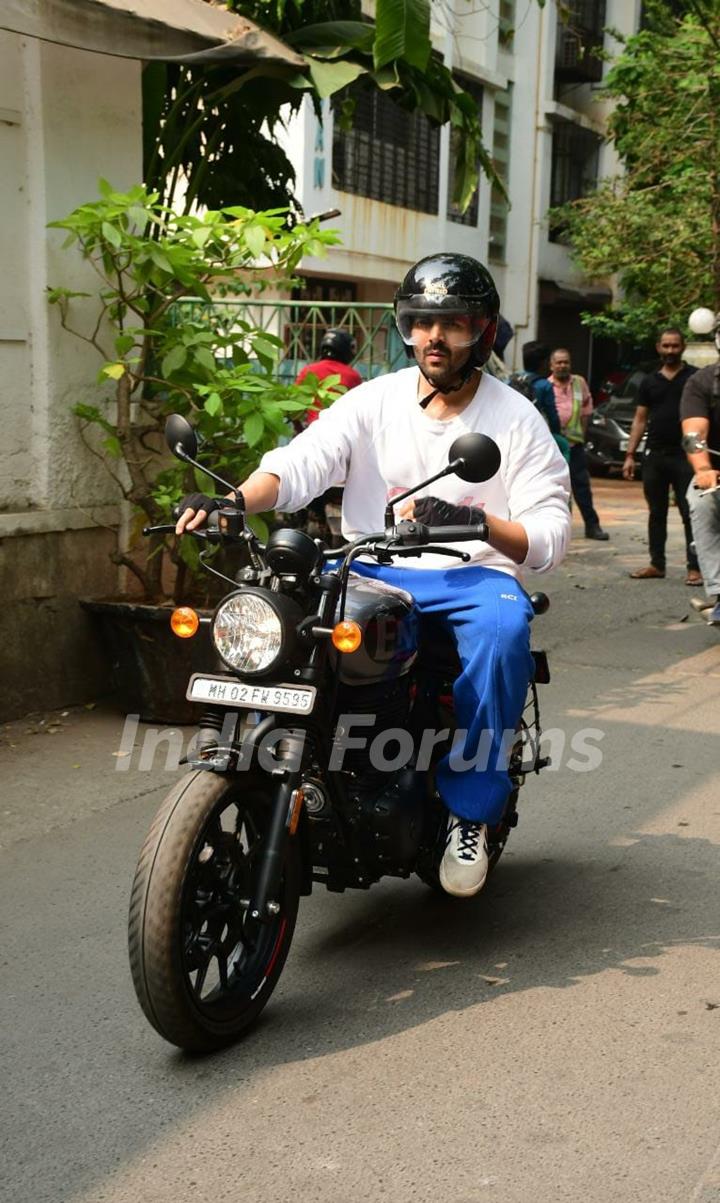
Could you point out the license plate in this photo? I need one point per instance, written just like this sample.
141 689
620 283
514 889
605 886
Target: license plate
226 691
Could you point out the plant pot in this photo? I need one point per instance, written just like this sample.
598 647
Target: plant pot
151 667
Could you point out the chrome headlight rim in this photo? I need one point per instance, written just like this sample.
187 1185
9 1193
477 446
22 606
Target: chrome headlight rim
288 615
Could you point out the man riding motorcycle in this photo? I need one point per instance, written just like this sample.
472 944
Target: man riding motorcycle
381 438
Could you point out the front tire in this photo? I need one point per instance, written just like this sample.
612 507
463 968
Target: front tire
200 977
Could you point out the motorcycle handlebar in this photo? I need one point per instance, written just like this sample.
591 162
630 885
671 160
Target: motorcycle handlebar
457 534
415 534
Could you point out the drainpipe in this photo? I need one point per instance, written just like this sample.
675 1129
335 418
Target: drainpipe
538 127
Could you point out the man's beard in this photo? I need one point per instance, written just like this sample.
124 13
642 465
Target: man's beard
563 374
446 374
672 358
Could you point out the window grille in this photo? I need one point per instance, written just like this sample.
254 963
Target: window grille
578 37
575 155
388 155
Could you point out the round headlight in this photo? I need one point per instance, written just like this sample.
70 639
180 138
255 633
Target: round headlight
248 632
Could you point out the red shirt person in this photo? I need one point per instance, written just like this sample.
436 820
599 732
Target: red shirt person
336 350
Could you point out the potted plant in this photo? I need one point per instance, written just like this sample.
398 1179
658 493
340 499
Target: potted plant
159 354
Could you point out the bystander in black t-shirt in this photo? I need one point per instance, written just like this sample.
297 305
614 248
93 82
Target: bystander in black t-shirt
661 397
697 402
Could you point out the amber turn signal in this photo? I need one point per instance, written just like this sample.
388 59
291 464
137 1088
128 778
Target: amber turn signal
184 622
347 636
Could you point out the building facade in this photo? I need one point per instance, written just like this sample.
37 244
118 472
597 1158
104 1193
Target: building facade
537 84
66 118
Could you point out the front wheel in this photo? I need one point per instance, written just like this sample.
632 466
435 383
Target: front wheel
201 973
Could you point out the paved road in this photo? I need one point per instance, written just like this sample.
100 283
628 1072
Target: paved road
556 1038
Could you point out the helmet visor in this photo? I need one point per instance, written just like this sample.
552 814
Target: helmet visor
461 325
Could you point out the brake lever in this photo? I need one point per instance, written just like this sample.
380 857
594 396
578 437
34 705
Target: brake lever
169 529
437 551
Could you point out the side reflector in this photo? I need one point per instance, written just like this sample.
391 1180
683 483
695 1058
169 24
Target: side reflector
184 622
296 801
347 636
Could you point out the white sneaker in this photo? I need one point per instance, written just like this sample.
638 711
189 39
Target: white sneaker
464 867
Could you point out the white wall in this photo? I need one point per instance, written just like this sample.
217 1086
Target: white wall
66 118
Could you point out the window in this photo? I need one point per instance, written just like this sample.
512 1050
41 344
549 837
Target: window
501 160
388 155
506 22
575 154
578 36
470 216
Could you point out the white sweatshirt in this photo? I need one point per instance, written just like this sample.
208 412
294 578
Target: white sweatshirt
378 440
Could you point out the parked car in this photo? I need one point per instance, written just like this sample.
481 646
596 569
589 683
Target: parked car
608 431
608 434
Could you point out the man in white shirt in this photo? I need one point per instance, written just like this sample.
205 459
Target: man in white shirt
395 431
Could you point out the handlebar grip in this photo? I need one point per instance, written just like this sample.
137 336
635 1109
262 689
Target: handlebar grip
457 534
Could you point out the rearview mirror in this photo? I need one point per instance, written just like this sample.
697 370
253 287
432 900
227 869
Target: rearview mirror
474 457
179 433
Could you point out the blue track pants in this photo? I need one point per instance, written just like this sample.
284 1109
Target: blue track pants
488 614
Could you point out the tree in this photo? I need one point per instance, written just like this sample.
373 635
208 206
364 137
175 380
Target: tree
215 128
161 357
658 225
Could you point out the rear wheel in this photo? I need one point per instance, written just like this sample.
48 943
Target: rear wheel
202 974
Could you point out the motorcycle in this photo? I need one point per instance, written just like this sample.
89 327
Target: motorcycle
281 795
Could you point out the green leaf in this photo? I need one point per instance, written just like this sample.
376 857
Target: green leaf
253 429
388 77
114 370
201 236
88 413
213 405
331 77
265 349
160 260
332 35
255 239
206 359
203 482
123 343
112 446
174 360
111 235
402 32
258 525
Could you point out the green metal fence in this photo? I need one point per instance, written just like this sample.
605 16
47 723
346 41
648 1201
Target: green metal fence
300 326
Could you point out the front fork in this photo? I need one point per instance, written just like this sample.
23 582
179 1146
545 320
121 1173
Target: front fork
286 804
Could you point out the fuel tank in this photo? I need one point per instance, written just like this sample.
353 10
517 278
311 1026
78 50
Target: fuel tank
388 619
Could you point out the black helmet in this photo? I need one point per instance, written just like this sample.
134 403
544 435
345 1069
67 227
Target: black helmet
450 284
337 344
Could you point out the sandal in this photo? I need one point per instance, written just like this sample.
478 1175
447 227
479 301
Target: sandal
693 577
647 574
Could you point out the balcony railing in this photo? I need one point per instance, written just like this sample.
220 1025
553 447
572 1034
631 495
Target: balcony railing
300 325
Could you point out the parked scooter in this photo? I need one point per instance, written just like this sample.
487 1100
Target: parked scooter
283 793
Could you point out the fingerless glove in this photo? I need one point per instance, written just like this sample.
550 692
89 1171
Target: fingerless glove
433 511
